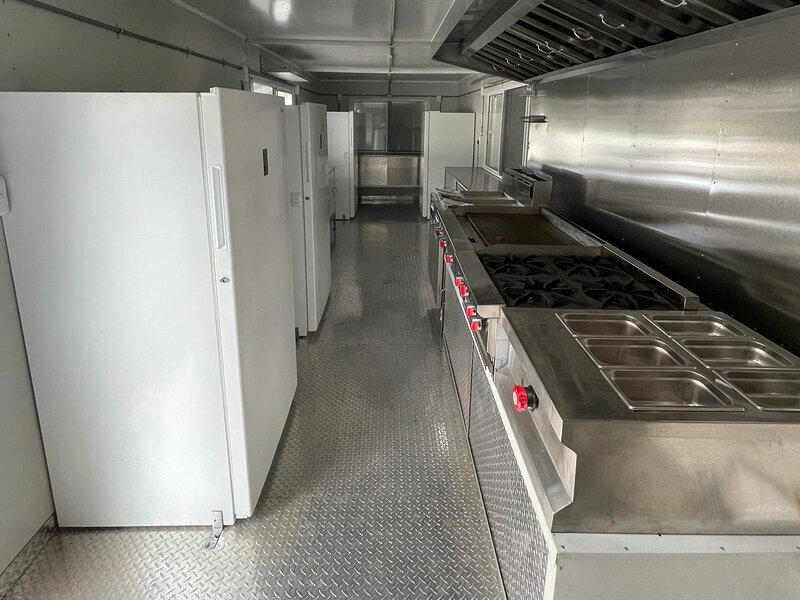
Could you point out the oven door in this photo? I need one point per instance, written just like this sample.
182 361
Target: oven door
458 342
435 258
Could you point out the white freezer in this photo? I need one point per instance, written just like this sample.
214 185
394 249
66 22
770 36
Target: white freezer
306 172
157 314
447 141
341 155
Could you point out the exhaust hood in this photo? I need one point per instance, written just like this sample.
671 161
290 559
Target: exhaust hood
523 39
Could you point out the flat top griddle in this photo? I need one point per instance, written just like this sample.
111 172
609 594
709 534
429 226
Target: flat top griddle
517 229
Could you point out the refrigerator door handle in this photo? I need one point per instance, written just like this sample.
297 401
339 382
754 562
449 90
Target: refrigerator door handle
307 164
219 207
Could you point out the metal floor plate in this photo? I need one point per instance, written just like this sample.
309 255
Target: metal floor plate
373 492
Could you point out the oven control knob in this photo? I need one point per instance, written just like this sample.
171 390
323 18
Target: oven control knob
438 233
443 243
524 398
462 289
475 324
448 258
470 311
457 281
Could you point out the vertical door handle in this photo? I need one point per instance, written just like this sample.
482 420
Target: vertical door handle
219 206
308 161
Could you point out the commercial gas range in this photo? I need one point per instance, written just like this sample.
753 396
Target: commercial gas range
442 201
496 256
655 446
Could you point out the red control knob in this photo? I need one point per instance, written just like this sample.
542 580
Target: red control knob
463 290
470 311
457 281
438 233
524 398
443 243
448 258
475 325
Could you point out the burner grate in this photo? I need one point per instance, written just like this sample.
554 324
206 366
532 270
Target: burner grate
573 282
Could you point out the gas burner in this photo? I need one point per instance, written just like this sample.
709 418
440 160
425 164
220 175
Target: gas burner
542 281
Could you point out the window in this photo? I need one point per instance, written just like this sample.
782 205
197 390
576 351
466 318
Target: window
389 126
288 97
371 121
261 87
405 126
494 131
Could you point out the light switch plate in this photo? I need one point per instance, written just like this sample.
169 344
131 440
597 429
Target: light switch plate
3 197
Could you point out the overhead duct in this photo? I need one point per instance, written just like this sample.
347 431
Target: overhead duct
523 39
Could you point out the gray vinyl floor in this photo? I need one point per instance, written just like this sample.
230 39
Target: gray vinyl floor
372 493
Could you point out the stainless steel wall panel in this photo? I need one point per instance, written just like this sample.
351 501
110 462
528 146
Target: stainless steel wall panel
402 170
688 159
751 256
676 124
382 170
558 143
372 169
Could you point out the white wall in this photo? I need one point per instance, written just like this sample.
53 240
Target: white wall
25 502
40 51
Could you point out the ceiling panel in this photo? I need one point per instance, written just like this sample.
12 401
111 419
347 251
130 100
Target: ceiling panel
418 20
308 56
349 36
304 19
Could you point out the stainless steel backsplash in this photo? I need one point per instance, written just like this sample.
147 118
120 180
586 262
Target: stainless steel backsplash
688 157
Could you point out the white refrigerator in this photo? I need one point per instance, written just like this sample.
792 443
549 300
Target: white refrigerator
307 182
341 155
447 141
149 244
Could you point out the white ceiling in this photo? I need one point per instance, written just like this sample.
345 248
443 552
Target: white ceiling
326 38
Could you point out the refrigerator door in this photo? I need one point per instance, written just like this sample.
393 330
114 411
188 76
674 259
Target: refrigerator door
448 143
340 155
424 199
314 135
294 171
351 167
109 248
243 138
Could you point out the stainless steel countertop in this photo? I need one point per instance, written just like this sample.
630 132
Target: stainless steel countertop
599 467
476 179
576 386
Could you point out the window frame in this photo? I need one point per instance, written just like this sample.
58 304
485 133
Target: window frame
490 90
277 87
487 132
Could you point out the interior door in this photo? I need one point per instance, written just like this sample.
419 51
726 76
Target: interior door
314 131
244 148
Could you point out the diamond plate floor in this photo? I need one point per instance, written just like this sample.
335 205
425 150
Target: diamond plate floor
373 492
